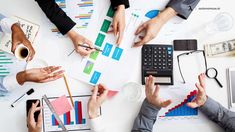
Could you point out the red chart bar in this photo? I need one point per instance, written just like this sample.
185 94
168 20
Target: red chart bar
80 112
68 118
56 122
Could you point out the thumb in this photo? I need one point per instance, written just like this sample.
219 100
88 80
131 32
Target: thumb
192 104
13 47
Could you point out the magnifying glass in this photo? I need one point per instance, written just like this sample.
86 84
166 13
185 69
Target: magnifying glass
212 74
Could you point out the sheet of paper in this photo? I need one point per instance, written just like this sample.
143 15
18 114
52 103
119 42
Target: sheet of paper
61 105
115 65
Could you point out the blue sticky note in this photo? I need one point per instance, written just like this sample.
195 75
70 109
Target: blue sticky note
117 53
95 77
107 49
151 14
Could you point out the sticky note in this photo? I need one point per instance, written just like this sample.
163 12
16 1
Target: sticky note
95 77
111 94
107 49
117 53
110 12
88 67
105 26
94 55
61 105
99 40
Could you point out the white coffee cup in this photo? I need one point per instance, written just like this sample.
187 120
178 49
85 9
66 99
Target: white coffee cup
21 52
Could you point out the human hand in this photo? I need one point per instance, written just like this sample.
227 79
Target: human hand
153 26
201 96
34 126
19 37
40 75
96 100
152 92
79 39
119 23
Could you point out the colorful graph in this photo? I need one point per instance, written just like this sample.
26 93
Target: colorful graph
151 14
73 120
182 109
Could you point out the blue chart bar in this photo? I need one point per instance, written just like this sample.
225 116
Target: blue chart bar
53 120
76 111
65 119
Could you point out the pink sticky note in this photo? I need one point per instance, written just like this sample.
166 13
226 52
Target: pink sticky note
111 93
61 105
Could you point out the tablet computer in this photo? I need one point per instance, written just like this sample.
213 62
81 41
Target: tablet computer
231 86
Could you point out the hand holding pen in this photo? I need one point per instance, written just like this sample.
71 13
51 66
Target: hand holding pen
86 48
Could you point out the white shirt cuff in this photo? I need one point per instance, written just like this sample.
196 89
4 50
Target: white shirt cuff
10 82
97 124
6 24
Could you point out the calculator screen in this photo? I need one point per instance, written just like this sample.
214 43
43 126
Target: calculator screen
232 79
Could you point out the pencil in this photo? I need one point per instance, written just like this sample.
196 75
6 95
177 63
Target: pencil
67 86
81 45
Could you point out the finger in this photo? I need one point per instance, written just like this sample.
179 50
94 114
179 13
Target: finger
156 90
14 45
103 96
39 123
166 103
201 78
120 36
192 104
146 39
31 114
95 92
199 87
48 69
53 69
89 43
140 29
115 28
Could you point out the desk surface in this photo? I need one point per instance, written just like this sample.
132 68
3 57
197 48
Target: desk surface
13 120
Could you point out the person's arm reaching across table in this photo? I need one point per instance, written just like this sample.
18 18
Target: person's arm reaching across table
149 110
8 25
212 109
98 96
65 25
119 18
182 8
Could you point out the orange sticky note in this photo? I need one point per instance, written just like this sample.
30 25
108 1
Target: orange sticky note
111 94
61 105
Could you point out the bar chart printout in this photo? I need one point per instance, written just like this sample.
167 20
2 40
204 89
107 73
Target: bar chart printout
181 110
73 120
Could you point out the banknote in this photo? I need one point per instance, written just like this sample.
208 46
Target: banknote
221 49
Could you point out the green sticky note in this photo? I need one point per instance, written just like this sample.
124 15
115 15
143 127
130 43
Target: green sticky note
99 40
88 67
105 26
94 55
110 12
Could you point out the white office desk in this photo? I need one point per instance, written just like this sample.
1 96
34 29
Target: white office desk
118 113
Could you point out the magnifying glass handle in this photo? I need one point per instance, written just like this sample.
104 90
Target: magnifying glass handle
219 82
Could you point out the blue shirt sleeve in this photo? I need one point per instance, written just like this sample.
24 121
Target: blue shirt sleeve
1 17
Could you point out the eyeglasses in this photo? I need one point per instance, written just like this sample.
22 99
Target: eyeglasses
190 53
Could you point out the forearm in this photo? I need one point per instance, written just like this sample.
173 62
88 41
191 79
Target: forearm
146 118
217 113
183 7
56 15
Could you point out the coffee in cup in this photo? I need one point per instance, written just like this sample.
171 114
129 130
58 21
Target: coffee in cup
21 52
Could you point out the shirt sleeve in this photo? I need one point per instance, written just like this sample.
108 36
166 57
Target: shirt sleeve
220 115
183 7
115 3
97 124
56 15
10 82
6 24
146 118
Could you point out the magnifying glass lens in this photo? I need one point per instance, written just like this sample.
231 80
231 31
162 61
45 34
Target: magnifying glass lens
211 73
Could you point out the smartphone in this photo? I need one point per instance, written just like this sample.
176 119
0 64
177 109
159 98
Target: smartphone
231 91
185 44
29 105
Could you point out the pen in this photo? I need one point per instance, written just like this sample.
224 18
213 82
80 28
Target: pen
21 97
81 45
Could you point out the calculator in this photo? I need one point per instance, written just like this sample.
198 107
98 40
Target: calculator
157 60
